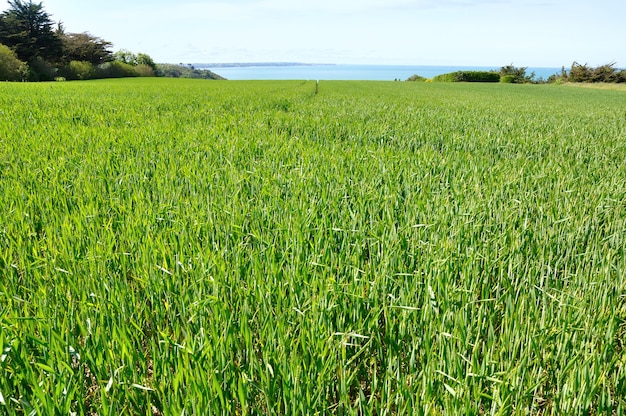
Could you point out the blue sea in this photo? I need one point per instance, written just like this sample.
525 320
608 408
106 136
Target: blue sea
349 72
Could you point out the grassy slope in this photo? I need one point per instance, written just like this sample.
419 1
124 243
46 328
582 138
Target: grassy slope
252 246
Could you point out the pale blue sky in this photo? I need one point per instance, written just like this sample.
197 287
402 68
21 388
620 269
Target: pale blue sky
537 33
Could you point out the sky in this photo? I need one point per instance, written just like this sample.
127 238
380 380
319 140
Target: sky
534 33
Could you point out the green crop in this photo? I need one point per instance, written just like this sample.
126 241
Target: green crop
174 247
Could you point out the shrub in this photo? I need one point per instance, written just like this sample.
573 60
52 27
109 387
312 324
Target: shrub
41 70
83 69
116 69
507 79
416 78
605 73
144 70
11 68
80 70
450 77
478 76
468 76
516 75
579 73
180 71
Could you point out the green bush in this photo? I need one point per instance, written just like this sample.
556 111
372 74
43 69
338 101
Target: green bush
449 77
116 69
144 70
518 75
417 78
79 70
83 69
11 68
180 71
41 70
478 76
468 76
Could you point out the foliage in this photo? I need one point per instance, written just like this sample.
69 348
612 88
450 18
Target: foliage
449 77
41 70
79 70
468 76
142 63
579 73
116 69
516 75
144 70
175 247
27 29
11 68
125 56
605 73
416 78
145 59
85 47
585 73
181 71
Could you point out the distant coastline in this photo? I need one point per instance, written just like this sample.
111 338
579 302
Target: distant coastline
302 71
254 64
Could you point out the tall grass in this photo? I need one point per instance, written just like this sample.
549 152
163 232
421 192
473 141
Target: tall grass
188 247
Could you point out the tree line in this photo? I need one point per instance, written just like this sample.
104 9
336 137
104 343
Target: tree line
34 48
517 75
577 73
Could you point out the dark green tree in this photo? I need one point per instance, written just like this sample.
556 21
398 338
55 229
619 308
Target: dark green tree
580 73
517 75
605 73
85 47
27 29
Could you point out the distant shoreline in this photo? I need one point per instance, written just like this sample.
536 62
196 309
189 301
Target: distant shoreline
326 72
253 64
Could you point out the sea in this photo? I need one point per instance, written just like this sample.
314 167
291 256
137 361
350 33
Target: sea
347 72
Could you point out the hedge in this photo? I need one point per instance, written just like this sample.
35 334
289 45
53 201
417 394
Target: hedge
468 76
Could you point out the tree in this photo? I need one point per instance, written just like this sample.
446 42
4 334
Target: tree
516 75
85 47
145 59
27 29
579 73
125 56
605 73
11 68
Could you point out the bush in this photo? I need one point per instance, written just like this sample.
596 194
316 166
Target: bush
468 76
478 76
144 70
41 70
515 75
116 69
79 70
11 68
579 73
180 71
605 73
450 77
416 78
